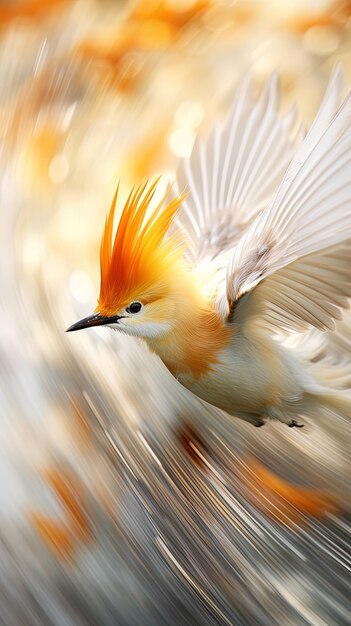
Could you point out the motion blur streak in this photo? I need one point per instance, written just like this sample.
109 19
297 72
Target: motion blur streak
122 499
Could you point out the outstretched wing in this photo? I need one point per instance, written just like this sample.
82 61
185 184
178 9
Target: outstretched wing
235 173
292 268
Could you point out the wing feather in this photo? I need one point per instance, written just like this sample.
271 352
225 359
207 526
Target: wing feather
293 264
234 174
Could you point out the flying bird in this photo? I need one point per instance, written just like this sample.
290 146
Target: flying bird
240 277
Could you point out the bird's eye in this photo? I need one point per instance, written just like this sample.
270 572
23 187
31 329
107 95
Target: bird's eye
134 307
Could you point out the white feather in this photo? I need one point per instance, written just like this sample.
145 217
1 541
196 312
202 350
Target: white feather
235 173
300 246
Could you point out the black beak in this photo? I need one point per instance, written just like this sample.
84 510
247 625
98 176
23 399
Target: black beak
93 320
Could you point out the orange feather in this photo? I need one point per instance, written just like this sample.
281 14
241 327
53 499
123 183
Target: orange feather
140 257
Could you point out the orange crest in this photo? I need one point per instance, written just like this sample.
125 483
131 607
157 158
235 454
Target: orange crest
140 257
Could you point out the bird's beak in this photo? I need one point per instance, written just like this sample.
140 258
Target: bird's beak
93 320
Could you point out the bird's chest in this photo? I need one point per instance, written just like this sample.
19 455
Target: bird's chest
193 348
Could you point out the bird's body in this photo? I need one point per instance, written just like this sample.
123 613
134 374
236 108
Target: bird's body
247 374
253 379
243 313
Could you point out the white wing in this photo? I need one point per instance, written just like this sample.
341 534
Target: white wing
294 261
235 173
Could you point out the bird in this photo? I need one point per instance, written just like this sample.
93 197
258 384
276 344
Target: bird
238 279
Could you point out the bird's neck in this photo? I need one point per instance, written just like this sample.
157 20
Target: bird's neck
197 337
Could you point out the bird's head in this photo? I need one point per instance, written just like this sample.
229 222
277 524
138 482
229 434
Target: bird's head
140 268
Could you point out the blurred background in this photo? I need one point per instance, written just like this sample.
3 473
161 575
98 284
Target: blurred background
122 499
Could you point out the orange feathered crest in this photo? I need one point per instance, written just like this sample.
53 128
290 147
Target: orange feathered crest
140 256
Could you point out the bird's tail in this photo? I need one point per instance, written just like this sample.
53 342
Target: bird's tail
336 400
330 366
